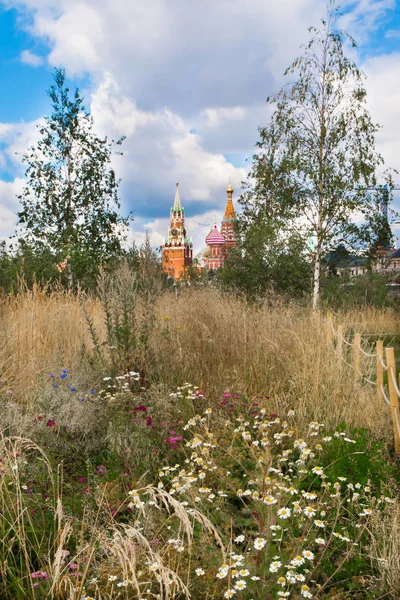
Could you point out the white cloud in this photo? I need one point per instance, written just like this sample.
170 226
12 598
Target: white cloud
9 206
383 74
29 58
186 83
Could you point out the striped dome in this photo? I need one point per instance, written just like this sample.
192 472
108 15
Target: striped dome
215 237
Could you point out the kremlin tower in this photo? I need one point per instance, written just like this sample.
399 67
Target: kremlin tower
177 250
227 226
220 242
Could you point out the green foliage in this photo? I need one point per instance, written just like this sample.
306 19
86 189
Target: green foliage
265 262
70 201
317 155
371 289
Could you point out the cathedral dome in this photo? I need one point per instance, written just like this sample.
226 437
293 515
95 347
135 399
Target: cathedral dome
215 237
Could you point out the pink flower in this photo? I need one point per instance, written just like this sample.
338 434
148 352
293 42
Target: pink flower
173 441
81 479
73 566
51 423
101 470
140 408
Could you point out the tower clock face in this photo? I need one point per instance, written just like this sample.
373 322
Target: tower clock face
174 232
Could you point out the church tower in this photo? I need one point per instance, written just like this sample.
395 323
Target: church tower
227 225
177 250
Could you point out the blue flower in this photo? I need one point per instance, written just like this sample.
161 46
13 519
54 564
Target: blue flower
72 389
51 375
55 387
63 376
93 392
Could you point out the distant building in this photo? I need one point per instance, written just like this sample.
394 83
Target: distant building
177 250
386 261
218 242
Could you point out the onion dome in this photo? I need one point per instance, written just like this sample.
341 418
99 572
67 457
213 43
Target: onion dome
207 252
215 237
229 189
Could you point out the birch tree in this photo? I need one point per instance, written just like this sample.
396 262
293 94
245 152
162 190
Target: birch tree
70 200
317 155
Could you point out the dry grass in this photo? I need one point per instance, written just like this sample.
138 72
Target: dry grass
217 342
41 331
385 549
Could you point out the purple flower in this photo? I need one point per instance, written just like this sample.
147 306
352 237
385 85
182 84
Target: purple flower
140 408
227 395
51 423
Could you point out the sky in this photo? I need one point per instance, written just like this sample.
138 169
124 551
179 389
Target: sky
185 82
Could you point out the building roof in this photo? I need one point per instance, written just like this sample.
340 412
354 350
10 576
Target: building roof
395 254
177 201
215 237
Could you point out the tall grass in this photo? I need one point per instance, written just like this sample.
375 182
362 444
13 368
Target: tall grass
217 342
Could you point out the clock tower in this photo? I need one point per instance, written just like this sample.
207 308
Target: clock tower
177 250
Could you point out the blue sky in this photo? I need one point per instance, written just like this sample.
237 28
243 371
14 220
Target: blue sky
185 82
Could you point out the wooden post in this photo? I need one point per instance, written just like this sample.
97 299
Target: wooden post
339 347
356 355
394 399
379 370
329 328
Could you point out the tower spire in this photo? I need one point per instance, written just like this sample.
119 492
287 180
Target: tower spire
229 210
177 201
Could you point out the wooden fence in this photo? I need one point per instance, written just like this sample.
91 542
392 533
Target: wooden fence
383 370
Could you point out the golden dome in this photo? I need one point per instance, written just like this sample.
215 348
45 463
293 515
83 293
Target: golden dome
207 252
229 189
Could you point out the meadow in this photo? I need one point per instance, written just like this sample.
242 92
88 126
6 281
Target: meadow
191 447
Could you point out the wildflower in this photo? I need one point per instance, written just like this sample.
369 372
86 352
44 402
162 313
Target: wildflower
200 572
309 511
308 555
112 577
305 591
240 585
269 500
320 541
222 572
281 581
297 561
51 423
275 566
259 543
229 593
309 495
244 573
284 513
319 523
